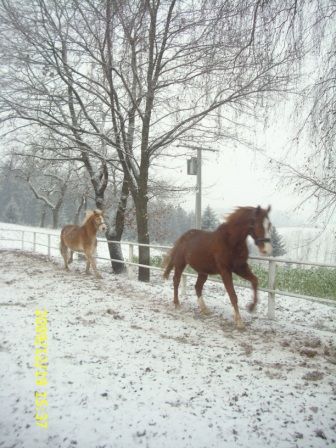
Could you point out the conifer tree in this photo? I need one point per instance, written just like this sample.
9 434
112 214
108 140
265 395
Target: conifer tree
209 219
277 243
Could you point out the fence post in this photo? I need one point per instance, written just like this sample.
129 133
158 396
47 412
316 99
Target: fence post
49 245
271 286
130 259
22 241
34 241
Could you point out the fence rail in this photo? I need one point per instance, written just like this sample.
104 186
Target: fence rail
32 243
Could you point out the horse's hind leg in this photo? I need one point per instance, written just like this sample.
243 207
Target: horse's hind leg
228 283
64 253
201 279
176 280
246 273
87 268
70 260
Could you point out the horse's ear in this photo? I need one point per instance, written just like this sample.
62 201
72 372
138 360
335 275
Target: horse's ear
258 210
269 209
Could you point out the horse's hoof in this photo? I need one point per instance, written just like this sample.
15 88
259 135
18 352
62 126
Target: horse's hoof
239 324
99 276
205 311
177 306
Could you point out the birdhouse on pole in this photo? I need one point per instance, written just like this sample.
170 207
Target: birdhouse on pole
192 166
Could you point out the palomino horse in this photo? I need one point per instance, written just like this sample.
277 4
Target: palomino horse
83 239
223 252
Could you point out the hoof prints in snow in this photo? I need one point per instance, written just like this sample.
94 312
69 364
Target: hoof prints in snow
126 369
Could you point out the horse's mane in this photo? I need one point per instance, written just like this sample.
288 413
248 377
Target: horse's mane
89 214
240 215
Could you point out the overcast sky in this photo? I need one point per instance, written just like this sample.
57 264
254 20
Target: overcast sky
237 177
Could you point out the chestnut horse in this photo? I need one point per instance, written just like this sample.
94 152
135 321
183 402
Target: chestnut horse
223 252
83 239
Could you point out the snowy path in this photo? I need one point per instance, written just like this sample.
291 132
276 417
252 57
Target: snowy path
127 370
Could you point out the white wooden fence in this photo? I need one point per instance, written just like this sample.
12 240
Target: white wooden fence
30 239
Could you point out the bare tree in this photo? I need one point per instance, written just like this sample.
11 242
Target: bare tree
170 66
48 183
313 173
125 79
37 40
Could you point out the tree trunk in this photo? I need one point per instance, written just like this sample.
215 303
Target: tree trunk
43 216
143 236
79 209
55 213
100 201
116 255
115 233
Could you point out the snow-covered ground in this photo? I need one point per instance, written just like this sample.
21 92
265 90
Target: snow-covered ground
126 369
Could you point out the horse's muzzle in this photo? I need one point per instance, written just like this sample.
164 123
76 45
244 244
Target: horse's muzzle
265 248
102 227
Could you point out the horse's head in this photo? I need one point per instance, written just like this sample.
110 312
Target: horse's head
99 220
260 230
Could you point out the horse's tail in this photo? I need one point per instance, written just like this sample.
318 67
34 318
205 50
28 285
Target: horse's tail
61 243
168 264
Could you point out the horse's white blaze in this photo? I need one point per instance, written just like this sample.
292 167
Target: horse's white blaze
267 246
102 225
266 224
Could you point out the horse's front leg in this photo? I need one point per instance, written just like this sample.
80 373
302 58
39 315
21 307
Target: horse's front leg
88 263
228 283
245 272
201 279
92 261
